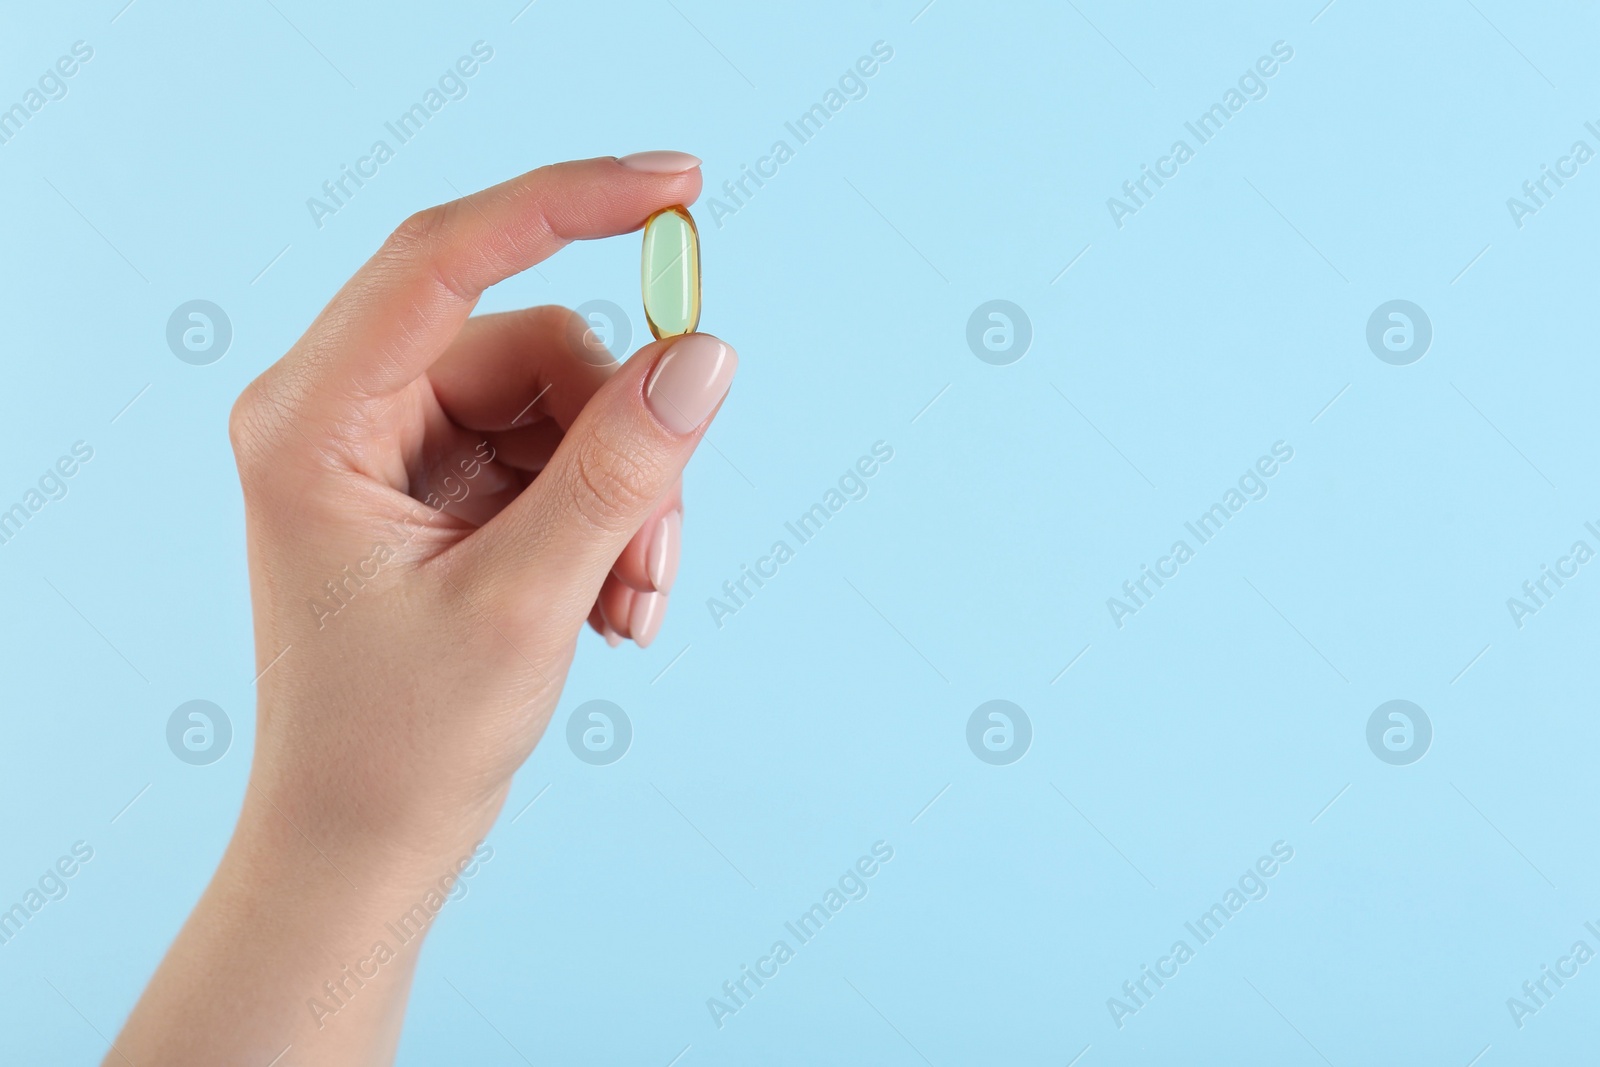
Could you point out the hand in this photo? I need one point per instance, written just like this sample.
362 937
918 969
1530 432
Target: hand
419 690
435 505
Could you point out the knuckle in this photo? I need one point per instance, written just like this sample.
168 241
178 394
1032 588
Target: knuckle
261 428
420 229
580 343
245 429
419 246
609 486
554 320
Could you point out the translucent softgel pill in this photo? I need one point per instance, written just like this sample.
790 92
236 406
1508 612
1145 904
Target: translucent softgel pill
671 272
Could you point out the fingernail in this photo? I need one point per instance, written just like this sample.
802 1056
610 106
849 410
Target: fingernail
661 561
689 381
644 619
619 623
611 637
660 162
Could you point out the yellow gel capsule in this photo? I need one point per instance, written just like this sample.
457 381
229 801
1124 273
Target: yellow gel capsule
671 272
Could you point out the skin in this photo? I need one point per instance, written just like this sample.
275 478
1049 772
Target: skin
387 734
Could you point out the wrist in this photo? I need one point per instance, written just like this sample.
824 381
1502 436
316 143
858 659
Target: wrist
364 803
286 841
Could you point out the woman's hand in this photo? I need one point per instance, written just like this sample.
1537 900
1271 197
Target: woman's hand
435 505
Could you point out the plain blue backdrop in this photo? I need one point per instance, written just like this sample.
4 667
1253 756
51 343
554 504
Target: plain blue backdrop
1167 754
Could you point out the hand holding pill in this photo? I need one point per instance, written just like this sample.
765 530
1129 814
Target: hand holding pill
435 503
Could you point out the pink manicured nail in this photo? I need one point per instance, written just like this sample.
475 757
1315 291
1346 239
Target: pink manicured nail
660 162
616 617
611 637
661 561
644 619
689 381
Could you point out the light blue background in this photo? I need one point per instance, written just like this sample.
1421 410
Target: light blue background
1225 716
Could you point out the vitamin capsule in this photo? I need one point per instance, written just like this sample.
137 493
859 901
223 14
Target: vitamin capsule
671 272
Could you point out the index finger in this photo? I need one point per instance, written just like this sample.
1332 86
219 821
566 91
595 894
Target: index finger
406 304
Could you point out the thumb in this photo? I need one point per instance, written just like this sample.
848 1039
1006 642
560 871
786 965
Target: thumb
552 547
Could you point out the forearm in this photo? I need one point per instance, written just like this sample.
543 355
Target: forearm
301 949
